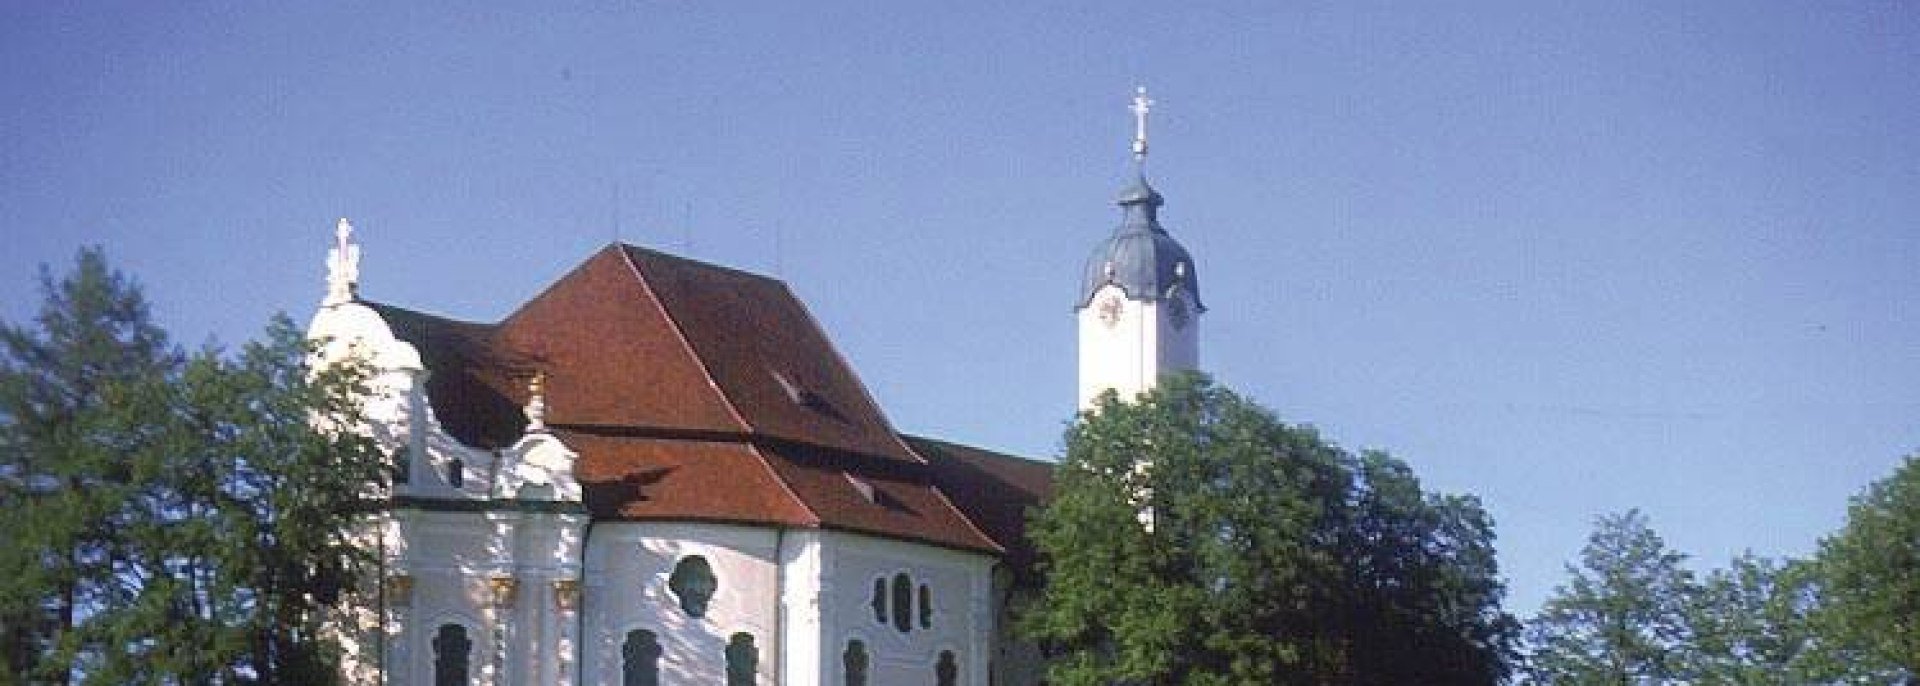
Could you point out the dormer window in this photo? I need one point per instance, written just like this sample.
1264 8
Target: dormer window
805 397
864 487
793 391
456 473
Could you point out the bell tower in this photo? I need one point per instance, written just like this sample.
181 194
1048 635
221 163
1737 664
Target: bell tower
1139 303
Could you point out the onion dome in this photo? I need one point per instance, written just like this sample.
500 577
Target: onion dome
1140 257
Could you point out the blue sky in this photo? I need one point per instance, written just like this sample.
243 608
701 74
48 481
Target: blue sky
1573 258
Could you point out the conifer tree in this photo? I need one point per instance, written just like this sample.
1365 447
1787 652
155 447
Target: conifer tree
62 471
246 514
241 518
172 518
1621 620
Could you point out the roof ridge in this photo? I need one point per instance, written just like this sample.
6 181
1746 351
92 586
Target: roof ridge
703 264
679 334
800 306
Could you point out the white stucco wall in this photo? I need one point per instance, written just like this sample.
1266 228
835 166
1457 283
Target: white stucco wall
628 565
824 579
454 561
1132 353
961 587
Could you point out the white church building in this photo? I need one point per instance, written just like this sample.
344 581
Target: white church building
660 471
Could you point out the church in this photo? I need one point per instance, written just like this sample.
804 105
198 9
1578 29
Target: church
660 471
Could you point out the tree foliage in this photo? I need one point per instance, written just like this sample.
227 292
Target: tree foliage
62 476
200 503
1751 625
1622 618
1192 538
1631 614
1425 587
1871 569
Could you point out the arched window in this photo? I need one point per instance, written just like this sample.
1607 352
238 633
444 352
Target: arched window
880 600
451 652
854 663
456 473
693 583
742 660
946 672
926 607
902 603
640 659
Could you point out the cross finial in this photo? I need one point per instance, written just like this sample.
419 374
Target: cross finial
343 266
342 233
1140 107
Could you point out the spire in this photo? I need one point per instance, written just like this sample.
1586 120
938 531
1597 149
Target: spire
1141 256
1141 105
1140 201
343 266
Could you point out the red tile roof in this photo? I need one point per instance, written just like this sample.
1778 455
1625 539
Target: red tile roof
994 490
766 354
643 478
471 384
612 355
697 392
848 494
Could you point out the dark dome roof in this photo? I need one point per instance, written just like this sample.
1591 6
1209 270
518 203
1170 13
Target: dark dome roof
1140 192
1140 257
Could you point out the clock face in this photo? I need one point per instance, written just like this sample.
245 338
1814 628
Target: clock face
1177 312
1110 310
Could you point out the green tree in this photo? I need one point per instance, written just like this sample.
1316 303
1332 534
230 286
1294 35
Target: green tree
1423 583
1871 572
1751 625
61 462
1622 618
241 520
1192 538
190 515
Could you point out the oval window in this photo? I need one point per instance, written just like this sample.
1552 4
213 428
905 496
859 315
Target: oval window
692 582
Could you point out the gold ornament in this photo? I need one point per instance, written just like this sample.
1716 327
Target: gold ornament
566 593
503 588
399 590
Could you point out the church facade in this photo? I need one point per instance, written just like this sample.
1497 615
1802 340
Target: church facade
660 471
